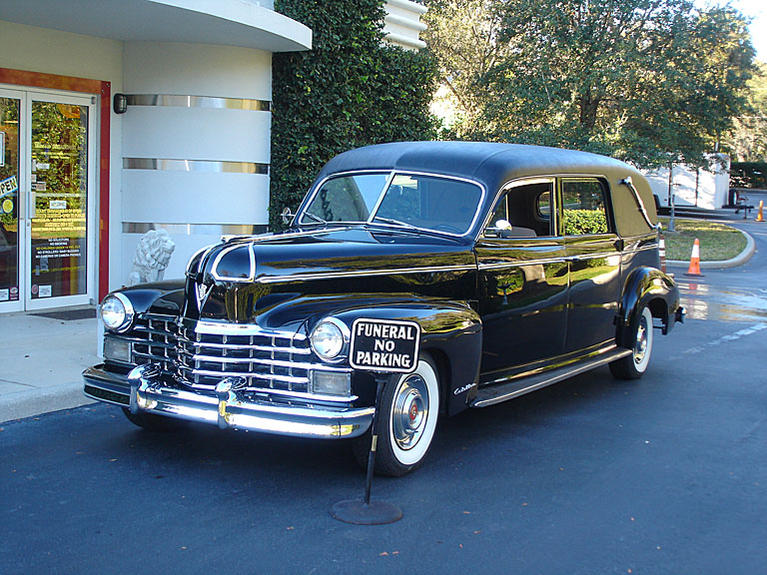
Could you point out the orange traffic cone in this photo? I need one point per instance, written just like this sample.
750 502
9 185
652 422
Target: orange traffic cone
694 269
760 215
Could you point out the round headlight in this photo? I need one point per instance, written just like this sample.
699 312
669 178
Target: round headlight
328 338
117 312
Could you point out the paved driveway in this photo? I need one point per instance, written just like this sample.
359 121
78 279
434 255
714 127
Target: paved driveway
665 475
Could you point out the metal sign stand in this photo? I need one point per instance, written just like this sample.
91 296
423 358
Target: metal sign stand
367 512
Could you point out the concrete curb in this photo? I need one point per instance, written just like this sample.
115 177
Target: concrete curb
738 260
24 404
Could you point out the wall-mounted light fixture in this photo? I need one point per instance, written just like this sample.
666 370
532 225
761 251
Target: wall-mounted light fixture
120 103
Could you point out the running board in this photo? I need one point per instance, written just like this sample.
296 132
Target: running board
493 394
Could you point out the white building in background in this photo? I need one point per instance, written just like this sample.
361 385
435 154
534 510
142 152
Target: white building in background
123 116
707 189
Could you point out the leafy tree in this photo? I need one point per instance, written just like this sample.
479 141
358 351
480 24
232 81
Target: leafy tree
350 90
463 36
748 139
650 81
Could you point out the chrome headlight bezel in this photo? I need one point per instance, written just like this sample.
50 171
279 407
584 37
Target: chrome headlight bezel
334 329
128 313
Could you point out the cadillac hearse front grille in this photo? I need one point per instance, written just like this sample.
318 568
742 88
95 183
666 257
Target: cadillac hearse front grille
267 360
155 340
201 355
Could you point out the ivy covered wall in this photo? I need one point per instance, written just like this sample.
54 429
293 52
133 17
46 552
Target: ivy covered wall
350 90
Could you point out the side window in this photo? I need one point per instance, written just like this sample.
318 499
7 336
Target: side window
523 212
584 207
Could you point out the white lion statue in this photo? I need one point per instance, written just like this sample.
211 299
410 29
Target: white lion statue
152 256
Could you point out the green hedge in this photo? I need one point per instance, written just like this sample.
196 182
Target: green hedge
350 90
579 222
748 175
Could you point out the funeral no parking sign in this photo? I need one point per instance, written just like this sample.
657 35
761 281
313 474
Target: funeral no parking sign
385 345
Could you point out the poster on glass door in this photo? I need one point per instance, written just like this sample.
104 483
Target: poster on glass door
9 199
59 185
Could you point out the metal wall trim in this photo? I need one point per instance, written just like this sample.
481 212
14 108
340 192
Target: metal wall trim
181 101
194 229
195 166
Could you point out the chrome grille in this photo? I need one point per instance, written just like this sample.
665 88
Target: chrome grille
268 360
155 340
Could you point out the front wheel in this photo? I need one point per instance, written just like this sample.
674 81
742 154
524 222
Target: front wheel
633 366
406 422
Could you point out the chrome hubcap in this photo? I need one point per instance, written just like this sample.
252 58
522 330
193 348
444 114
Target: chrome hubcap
410 411
640 347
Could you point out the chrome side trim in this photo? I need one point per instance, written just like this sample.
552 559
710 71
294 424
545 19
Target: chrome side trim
643 249
524 386
518 264
194 229
172 165
182 101
362 273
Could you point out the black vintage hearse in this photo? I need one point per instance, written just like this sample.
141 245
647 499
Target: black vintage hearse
513 267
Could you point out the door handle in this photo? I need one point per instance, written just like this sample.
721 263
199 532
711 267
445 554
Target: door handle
32 211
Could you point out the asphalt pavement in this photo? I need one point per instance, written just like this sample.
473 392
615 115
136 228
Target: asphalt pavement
664 475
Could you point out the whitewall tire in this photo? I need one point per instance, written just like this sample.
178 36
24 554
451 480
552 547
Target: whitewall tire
406 421
634 366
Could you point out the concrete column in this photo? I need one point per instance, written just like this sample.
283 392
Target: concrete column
195 149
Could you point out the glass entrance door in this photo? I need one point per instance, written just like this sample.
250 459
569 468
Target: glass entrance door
11 233
58 201
46 225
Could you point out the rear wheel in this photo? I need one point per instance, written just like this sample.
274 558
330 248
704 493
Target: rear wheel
633 366
406 422
152 422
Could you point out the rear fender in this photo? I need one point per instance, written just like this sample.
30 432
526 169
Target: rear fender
646 286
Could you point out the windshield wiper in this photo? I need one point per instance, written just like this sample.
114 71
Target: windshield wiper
317 219
393 222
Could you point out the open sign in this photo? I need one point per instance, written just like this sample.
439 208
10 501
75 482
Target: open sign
385 345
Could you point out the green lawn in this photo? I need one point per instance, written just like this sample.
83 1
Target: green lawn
717 241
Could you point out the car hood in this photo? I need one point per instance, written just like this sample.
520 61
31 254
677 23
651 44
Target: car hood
238 279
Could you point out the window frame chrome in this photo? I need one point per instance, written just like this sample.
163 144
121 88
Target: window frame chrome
391 175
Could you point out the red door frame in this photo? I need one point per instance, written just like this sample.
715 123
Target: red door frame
95 87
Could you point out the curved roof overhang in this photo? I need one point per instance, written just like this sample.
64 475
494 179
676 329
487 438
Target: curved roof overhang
240 23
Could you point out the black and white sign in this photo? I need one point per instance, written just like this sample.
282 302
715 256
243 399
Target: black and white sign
385 345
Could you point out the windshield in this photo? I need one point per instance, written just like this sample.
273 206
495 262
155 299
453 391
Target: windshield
426 202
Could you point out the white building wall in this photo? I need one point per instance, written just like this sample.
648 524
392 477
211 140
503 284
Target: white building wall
403 25
43 50
710 191
188 190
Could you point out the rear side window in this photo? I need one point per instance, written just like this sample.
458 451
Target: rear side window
585 207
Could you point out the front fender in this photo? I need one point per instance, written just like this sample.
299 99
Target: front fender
165 297
451 332
646 286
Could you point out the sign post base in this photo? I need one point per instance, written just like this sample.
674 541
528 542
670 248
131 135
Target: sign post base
367 512
361 513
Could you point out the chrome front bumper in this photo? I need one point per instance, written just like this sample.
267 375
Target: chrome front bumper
144 390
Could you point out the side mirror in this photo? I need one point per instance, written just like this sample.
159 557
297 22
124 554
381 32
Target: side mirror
287 216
